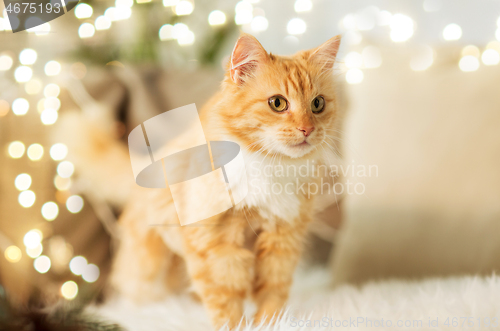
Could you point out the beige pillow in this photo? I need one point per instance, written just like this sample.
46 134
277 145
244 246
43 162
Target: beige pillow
434 208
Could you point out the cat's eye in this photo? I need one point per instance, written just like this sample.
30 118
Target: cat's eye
318 104
278 103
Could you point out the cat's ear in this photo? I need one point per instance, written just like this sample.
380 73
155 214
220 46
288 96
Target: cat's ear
247 55
326 54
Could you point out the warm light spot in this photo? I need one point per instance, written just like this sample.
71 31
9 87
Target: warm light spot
83 10
49 116
366 18
86 30
53 103
372 58
102 23
422 58
58 151
23 182
302 5
33 86
216 17
471 50
349 22
354 76
166 32
65 169
353 60
90 273
16 149
74 204
77 265
40 106
401 28
452 32
28 56
468 63
20 106
186 39
52 68
51 91
124 3
352 37
244 12
495 45
32 238
184 7
5 62
42 264
13 254
61 183
259 23
69 290
35 152
41 30
4 108
490 57
26 198
34 252
23 74
50 210
110 13
296 26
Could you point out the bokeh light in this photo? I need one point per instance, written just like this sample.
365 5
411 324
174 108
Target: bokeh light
468 63
302 5
52 68
401 27
69 290
32 238
50 210
4 108
259 24
35 152
372 58
296 26
77 265
452 32
86 30
35 252
20 106
353 60
53 103
90 273
58 151
216 17
13 254
184 7
74 204
62 184
51 91
354 76
490 57
5 62
65 169
102 23
34 86
42 264
422 58
49 116
166 32
16 149
22 182
23 74
27 198
28 56
83 10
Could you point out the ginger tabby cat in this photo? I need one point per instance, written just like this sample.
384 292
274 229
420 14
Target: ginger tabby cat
278 109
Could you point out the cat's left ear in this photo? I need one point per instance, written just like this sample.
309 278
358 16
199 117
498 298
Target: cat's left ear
247 56
326 54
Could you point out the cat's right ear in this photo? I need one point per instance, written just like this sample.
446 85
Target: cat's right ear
247 55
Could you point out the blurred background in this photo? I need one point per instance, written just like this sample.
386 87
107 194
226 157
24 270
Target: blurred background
413 73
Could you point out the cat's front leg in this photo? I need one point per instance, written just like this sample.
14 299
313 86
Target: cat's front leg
278 249
221 269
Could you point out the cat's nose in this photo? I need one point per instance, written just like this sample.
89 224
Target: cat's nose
306 130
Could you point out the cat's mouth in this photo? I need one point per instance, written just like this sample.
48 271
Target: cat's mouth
302 144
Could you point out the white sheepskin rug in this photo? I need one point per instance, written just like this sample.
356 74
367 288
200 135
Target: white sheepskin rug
457 303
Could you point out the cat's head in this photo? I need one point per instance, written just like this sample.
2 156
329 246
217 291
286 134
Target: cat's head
280 104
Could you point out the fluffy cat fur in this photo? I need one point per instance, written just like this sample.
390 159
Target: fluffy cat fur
252 249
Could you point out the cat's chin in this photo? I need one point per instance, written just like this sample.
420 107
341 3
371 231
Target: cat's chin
298 150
